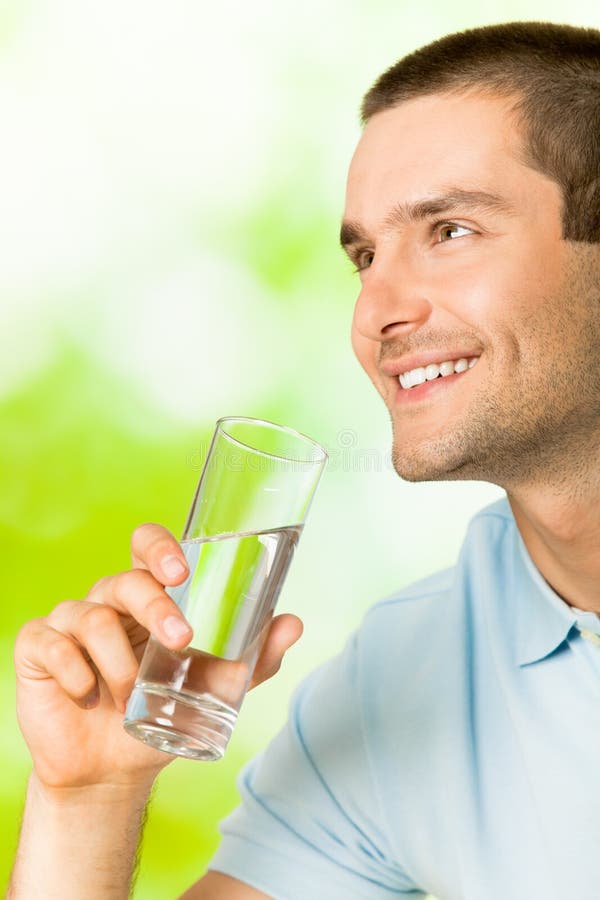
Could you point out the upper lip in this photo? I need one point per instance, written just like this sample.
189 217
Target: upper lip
407 363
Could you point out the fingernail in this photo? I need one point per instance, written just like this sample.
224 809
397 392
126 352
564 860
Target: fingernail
173 567
91 699
175 628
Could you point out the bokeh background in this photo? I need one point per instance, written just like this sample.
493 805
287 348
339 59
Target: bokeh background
171 184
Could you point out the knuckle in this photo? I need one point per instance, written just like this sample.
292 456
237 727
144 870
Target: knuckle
123 680
60 607
26 628
152 540
60 651
24 635
148 535
160 604
274 669
269 668
99 617
140 533
130 581
98 585
61 610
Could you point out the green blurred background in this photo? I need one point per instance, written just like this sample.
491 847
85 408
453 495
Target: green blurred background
171 183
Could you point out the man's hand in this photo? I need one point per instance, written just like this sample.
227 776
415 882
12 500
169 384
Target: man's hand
76 668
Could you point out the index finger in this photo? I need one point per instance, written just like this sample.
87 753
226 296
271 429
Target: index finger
156 549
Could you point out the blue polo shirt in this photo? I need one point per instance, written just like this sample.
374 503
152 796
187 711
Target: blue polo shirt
452 748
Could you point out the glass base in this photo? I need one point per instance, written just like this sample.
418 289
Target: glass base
189 725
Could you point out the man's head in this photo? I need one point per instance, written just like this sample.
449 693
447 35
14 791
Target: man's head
475 231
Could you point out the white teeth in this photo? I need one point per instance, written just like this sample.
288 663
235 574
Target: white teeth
417 376
429 373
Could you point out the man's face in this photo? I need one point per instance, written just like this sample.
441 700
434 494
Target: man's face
461 256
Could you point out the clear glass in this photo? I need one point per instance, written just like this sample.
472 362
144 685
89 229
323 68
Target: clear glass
253 496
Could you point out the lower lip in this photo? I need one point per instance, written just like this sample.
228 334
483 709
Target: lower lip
427 389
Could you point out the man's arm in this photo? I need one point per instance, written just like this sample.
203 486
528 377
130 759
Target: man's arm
68 849
78 842
216 886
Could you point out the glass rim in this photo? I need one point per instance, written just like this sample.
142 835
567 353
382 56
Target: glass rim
322 453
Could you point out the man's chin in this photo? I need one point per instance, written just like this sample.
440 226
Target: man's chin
429 463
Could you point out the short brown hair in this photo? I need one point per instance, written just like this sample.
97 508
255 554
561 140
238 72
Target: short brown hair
553 71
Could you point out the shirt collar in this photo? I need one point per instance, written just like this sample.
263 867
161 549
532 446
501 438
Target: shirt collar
543 619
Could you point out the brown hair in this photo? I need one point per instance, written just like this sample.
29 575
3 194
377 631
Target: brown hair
552 71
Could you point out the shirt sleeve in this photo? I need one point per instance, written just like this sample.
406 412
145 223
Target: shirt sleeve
310 824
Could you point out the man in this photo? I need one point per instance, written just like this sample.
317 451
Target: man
452 747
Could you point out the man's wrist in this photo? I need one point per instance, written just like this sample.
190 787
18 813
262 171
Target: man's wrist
118 792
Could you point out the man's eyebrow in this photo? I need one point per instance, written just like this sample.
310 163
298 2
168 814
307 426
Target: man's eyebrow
403 214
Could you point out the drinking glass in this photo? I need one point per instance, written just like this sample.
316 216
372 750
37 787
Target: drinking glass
246 518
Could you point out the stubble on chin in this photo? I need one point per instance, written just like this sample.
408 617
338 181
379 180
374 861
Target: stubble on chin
441 459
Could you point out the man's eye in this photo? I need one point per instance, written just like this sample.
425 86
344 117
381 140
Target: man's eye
448 231
364 260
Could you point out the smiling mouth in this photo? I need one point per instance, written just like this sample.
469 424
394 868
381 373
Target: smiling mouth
415 377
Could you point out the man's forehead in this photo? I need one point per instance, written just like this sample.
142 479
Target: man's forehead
439 127
432 146
448 107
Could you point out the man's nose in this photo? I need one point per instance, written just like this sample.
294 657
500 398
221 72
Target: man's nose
393 301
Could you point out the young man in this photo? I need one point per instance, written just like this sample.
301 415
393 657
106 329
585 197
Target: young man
452 747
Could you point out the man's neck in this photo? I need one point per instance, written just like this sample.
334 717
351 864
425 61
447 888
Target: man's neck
561 530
